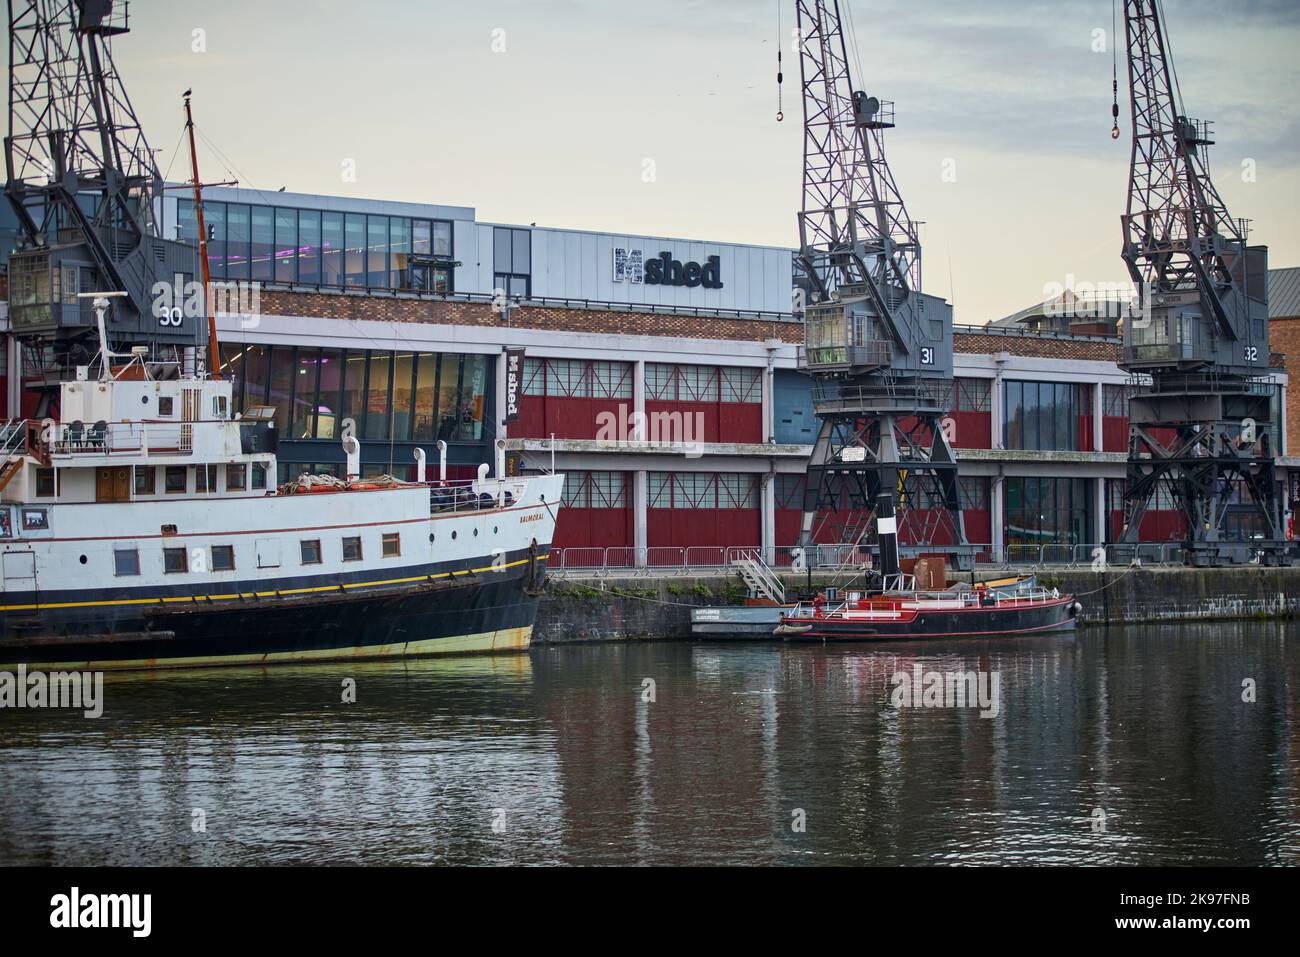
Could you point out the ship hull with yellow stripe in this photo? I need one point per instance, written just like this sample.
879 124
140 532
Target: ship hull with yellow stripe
440 608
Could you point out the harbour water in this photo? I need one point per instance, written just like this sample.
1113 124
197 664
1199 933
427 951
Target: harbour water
1110 746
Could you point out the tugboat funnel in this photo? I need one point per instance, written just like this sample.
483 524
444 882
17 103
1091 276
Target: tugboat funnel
887 534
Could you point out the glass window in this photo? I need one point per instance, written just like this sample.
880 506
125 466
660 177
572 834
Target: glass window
187 222
308 246
1042 511
325 425
284 371
377 249
126 561
45 483
392 542
236 478
259 475
286 245
974 395
232 368
421 237
502 250
442 239
352 549
331 249
237 241
426 382
304 392
223 558
353 405
205 478
310 551
257 375
214 218
174 479
377 401
401 250
175 560
448 397
144 480
472 398
354 241
403 395
263 249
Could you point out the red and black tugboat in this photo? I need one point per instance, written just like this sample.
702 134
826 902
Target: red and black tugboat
897 609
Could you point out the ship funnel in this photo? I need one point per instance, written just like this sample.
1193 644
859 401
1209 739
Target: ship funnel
887 535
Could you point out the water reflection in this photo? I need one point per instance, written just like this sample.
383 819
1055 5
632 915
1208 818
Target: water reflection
1123 746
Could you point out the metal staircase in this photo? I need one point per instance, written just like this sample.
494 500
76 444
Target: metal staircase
759 578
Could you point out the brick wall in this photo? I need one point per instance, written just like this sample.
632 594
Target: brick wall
612 322
1284 338
386 309
1033 346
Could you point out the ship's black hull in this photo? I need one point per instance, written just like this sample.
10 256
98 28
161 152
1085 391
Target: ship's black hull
425 610
1035 618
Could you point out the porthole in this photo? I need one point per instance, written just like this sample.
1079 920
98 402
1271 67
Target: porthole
83 559
144 399
495 529
431 536
453 534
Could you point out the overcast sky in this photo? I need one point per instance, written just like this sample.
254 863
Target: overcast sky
557 129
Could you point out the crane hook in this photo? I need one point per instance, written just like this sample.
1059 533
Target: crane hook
1114 132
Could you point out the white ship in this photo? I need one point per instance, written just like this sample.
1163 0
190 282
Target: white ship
144 529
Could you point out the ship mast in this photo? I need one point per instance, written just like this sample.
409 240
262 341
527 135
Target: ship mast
214 362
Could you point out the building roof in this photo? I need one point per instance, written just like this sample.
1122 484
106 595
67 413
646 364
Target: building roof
1284 293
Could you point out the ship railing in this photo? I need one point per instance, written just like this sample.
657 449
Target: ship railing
111 438
470 495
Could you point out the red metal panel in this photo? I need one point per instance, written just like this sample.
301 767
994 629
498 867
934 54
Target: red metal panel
593 527
974 429
740 422
979 525
1085 433
1162 526
1114 434
531 423
674 422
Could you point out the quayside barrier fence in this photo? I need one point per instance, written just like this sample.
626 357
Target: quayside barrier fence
658 560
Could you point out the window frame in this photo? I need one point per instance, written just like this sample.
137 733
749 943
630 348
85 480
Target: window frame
223 549
302 559
134 552
390 538
172 471
185 560
360 551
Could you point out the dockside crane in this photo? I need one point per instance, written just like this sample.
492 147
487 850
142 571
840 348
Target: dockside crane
87 193
1201 428
879 350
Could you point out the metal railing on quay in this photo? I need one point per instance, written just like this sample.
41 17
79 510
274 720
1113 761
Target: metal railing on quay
630 560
